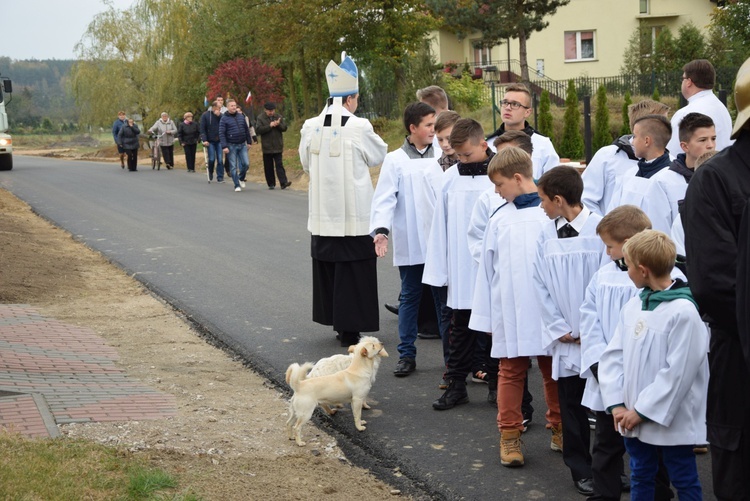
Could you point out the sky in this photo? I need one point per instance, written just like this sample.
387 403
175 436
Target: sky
47 29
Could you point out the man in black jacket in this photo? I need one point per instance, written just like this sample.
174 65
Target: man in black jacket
210 138
234 134
716 199
270 127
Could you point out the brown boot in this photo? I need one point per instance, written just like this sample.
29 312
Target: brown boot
122 160
510 448
556 444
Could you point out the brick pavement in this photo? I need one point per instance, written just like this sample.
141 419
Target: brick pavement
53 373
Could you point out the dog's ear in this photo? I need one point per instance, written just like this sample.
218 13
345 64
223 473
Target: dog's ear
363 351
351 348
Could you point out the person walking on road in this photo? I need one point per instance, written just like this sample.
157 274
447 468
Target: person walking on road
118 124
165 131
209 129
188 133
271 127
127 139
234 134
338 149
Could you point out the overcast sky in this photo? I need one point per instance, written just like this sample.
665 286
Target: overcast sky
47 29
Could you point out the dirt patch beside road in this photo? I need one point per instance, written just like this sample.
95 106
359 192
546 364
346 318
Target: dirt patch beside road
228 439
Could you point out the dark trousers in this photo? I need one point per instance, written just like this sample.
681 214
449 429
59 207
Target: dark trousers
526 408
190 155
679 461
345 295
168 153
462 342
132 159
269 159
444 313
575 425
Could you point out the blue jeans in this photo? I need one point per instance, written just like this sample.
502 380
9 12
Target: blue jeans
408 309
679 461
238 161
215 155
444 314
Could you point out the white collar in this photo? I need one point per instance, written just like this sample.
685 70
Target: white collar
701 94
577 223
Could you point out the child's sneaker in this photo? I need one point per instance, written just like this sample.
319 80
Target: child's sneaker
479 377
510 448
556 444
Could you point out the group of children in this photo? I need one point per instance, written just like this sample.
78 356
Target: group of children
565 269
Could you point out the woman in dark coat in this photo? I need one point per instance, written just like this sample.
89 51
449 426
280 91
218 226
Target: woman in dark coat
188 132
128 140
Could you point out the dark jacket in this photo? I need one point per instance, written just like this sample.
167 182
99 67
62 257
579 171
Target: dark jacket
209 127
271 138
233 129
188 133
116 126
128 137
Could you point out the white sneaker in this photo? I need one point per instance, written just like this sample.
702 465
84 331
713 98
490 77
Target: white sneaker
242 184
238 189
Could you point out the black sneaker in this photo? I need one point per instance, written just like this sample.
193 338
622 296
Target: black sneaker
286 185
455 395
526 422
404 367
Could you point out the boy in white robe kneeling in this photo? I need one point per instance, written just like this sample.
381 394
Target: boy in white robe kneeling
654 372
504 302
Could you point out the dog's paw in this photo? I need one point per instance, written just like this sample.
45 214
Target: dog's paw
301 443
361 428
365 406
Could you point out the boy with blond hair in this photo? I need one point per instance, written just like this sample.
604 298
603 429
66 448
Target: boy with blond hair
504 302
611 163
568 254
449 261
608 291
654 372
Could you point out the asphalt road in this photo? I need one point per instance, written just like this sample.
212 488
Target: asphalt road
238 265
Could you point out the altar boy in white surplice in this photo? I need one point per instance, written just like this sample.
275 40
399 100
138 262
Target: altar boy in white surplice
654 372
569 252
504 302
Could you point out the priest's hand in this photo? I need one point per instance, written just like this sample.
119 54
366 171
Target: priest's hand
381 244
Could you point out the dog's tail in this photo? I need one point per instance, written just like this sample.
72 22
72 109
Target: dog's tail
296 373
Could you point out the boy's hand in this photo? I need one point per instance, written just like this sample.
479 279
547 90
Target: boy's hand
629 420
568 338
381 244
617 414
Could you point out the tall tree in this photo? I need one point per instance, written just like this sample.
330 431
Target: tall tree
571 145
545 116
730 33
497 20
602 135
627 101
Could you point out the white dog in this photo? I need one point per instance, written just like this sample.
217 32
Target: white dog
349 385
335 363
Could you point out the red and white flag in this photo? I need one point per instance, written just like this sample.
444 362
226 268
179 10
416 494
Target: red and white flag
249 98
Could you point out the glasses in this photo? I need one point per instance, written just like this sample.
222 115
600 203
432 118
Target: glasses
513 105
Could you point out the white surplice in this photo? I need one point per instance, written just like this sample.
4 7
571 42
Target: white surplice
504 299
657 364
397 205
449 260
562 269
601 176
485 206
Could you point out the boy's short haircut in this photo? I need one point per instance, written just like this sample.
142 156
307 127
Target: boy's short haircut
414 113
515 138
652 249
120 113
701 72
691 122
643 108
466 129
623 222
563 181
434 96
446 119
657 127
509 161
519 87
704 158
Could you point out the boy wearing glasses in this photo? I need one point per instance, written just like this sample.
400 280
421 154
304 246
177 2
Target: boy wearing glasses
516 108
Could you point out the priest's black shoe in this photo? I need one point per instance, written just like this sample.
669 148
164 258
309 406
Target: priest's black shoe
455 395
404 367
585 486
393 308
428 335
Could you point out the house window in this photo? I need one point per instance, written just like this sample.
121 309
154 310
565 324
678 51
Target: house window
481 55
579 45
644 6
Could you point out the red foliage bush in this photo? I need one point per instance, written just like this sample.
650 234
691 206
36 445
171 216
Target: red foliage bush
235 78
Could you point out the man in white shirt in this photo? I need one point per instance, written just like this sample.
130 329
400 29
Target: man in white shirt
698 79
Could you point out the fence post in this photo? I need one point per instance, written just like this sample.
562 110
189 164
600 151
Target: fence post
494 107
587 127
723 96
535 103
